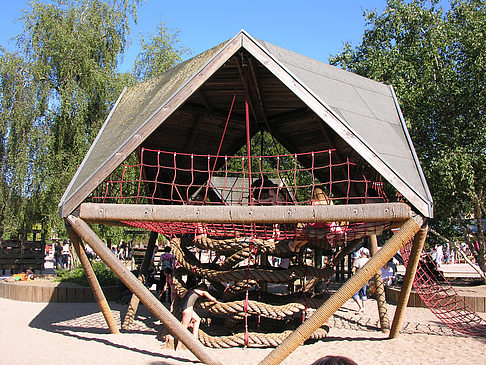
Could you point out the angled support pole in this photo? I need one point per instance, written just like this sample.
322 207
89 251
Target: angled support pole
325 311
144 269
137 288
380 290
92 280
413 261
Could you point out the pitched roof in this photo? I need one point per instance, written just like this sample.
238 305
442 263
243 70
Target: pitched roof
308 104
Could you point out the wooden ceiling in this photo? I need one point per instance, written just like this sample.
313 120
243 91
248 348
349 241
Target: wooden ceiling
197 126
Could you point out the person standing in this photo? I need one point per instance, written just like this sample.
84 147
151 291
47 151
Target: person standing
66 255
58 264
439 255
361 296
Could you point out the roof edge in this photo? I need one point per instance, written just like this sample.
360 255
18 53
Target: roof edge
118 157
100 132
414 154
386 171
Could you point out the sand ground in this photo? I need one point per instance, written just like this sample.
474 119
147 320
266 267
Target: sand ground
75 333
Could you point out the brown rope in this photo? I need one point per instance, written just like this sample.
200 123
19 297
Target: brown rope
266 275
254 339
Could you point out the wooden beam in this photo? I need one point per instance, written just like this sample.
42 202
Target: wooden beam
325 311
412 265
384 212
93 280
144 270
137 288
380 290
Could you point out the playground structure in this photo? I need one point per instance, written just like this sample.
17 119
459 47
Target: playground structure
183 155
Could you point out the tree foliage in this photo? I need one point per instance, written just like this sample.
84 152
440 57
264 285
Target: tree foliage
436 61
55 93
159 53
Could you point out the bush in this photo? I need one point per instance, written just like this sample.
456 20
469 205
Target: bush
105 276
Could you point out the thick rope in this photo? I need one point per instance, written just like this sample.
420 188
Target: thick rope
266 275
254 339
254 308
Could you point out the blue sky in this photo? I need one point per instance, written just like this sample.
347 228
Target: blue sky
316 28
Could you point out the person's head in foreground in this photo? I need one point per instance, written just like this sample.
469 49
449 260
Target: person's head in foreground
334 360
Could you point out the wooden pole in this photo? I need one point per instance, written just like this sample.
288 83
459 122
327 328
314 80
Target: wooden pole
380 290
376 212
324 312
144 269
93 281
413 261
137 288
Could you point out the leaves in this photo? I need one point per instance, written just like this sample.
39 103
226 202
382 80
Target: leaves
436 62
55 93
158 54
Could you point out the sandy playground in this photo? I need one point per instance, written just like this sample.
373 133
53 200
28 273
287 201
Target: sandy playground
75 333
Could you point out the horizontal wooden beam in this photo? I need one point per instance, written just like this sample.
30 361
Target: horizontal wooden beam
381 212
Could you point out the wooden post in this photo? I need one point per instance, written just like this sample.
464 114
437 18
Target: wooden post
137 288
380 290
92 280
325 311
413 261
144 269
318 263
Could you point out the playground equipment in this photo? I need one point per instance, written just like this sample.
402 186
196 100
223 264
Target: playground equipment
441 298
228 153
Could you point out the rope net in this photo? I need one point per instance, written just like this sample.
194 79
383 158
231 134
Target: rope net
322 177
441 298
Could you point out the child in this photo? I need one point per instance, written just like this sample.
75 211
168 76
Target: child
189 316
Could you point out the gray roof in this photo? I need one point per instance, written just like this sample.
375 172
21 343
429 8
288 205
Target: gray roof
352 111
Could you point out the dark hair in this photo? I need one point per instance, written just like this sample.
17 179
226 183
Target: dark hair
201 286
334 360
261 187
167 249
192 281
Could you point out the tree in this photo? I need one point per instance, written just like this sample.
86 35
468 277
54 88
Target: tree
436 62
56 92
158 54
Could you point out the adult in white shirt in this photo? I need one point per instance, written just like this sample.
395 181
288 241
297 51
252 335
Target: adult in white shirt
361 296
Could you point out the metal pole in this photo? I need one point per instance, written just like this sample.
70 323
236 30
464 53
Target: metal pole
413 261
144 269
323 313
93 281
137 288
380 291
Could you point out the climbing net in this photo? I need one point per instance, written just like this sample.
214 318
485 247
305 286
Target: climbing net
441 298
169 178
266 284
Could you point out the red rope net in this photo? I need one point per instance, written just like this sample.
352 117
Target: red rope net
322 177
441 298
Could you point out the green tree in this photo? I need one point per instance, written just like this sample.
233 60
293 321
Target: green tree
159 53
436 61
55 93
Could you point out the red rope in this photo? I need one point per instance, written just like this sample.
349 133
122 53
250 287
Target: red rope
248 147
220 144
